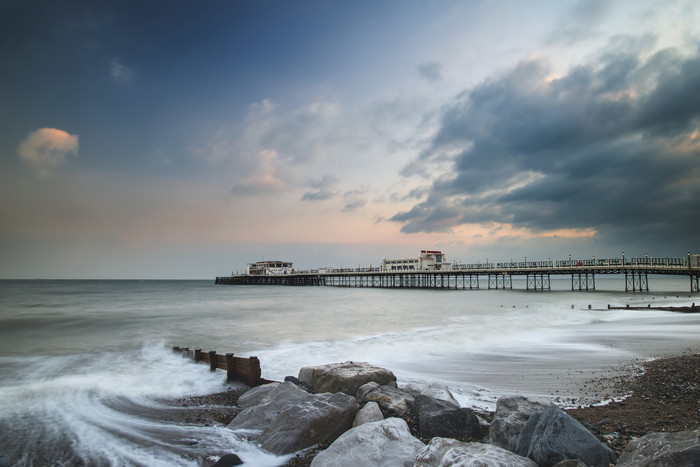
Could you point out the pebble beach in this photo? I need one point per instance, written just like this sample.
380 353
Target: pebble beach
661 395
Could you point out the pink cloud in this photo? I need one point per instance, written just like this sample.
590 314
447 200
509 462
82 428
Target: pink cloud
46 149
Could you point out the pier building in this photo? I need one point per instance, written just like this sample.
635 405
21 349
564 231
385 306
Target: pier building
428 260
269 268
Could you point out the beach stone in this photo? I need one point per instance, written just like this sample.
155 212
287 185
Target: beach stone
442 419
261 405
662 449
365 389
377 444
369 413
319 419
446 452
392 400
228 460
553 436
511 415
570 463
434 390
346 376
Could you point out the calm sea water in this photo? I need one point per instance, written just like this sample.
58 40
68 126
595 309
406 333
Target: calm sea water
85 364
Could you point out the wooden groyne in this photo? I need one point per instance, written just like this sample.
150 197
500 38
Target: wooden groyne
243 369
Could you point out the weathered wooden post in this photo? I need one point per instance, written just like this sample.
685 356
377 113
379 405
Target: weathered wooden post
185 351
254 372
212 360
230 367
197 355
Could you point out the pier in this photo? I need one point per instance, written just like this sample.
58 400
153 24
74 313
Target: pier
537 275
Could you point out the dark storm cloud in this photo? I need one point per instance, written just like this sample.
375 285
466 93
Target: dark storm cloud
613 145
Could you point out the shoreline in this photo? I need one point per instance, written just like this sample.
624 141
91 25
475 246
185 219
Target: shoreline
664 397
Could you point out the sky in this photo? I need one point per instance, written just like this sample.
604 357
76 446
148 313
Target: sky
182 140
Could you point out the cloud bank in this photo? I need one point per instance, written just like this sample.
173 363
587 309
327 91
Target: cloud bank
47 149
613 145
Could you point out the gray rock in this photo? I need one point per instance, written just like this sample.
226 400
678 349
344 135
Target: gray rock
512 412
680 449
377 444
365 389
554 436
369 413
321 418
347 376
443 419
445 452
570 463
261 405
392 400
228 460
255 395
434 390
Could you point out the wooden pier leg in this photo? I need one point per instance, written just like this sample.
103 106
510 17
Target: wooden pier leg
230 367
197 355
212 360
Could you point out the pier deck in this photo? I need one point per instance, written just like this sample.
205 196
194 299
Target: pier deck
486 275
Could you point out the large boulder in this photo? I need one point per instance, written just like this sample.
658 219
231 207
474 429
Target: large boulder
657 449
383 443
434 390
321 419
369 413
262 404
444 419
392 400
343 377
512 413
554 436
288 419
444 452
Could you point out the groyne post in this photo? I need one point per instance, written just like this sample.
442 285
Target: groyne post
212 360
230 367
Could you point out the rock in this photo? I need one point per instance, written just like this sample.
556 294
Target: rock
383 443
255 395
261 405
444 452
512 412
319 419
676 449
570 463
365 389
434 390
443 419
347 376
554 436
228 460
369 413
392 400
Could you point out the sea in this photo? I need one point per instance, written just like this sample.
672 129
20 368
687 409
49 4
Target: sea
85 364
